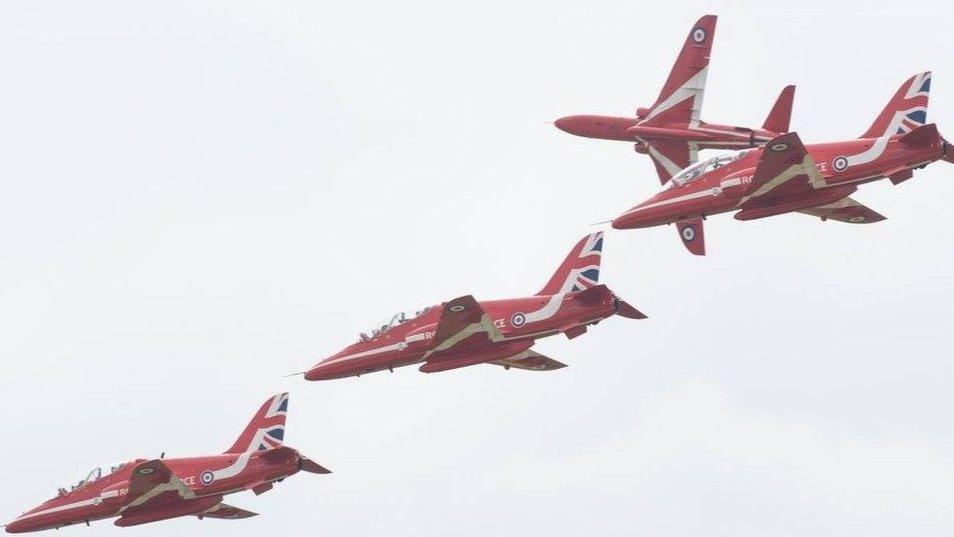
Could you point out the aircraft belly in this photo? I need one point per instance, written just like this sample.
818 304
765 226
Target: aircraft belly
181 508
762 208
464 358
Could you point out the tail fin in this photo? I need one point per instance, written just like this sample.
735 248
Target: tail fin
906 111
580 269
267 428
680 100
781 114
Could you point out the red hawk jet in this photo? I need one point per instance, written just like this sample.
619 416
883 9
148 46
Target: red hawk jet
671 131
465 332
143 490
786 176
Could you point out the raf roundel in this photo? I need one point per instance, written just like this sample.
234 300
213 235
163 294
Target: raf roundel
840 164
457 308
518 319
689 233
779 147
856 219
145 471
207 477
698 35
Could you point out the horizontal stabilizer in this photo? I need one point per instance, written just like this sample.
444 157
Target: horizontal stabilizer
595 295
313 467
625 310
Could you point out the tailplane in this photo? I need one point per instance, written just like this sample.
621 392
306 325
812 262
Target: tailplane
680 100
267 428
780 116
907 109
597 294
580 269
304 463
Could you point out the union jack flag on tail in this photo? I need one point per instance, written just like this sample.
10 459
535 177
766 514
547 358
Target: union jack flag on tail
267 428
581 268
906 111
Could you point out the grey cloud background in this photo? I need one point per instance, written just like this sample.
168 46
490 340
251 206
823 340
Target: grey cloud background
201 197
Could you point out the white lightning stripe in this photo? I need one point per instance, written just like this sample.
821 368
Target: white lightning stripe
877 148
693 88
370 352
687 197
548 310
75 505
241 461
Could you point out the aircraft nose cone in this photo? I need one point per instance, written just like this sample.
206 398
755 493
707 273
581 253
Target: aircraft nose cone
570 124
324 371
313 373
628 220
17 526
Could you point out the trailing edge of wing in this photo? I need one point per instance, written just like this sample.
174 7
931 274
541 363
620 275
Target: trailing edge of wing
227 512
529 360
846 210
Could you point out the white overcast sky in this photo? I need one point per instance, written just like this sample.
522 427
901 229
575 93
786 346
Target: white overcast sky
199 197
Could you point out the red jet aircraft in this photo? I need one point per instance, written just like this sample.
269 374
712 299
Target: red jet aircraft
671 131
786 176
142 490
465 332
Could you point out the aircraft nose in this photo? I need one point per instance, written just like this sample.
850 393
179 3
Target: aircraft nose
17 526
314 373
631 219
323 371
568 124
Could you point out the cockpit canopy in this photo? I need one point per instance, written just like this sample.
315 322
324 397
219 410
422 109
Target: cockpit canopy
398 318
697 170
81 480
